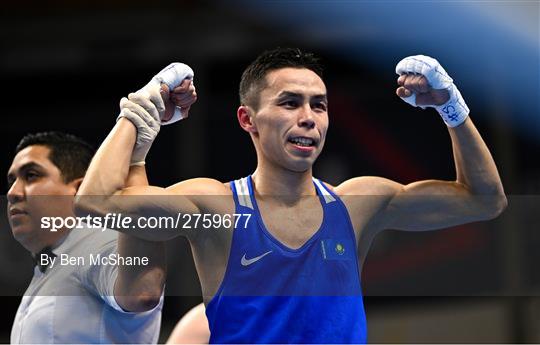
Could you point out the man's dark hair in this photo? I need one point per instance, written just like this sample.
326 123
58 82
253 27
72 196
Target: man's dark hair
70 154
253 78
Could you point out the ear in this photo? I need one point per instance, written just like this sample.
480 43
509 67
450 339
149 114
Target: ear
76 184
245 118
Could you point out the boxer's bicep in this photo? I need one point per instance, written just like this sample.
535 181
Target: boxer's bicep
430 205
147 212
151 201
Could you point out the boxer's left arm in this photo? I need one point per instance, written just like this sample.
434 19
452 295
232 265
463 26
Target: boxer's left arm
476 194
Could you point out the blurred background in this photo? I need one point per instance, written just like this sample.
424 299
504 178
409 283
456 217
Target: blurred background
66 64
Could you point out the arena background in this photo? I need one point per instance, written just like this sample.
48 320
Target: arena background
65 64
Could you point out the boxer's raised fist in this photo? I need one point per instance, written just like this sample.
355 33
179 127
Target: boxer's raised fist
423 82
425 94
176 77
183 97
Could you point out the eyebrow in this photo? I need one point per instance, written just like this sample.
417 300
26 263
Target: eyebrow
22 169
284 94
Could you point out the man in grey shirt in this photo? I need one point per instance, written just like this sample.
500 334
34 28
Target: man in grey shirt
78 293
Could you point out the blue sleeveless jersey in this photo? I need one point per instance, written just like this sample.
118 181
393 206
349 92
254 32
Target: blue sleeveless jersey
274 294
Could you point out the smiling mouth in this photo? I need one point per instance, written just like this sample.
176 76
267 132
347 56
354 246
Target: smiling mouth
302 141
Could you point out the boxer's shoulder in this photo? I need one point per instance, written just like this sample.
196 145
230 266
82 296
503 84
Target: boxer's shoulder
200 186
368 185
208 194
364 197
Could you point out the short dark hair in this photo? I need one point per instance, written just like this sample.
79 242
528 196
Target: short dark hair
253 78
70 154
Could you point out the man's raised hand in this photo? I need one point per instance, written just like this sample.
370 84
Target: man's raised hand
154 105
423 82
177 77
179 100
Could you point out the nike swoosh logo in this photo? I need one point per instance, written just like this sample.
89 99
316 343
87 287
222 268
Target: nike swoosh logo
247 262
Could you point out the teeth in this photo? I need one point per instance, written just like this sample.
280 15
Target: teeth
302 141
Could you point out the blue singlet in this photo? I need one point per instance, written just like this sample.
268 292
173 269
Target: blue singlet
274 294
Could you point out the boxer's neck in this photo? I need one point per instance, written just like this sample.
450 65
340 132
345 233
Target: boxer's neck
276 181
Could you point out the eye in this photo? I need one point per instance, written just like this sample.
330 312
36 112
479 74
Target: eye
291 104
31 175
320 106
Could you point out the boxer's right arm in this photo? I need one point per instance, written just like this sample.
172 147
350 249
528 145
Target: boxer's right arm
103 189
103 192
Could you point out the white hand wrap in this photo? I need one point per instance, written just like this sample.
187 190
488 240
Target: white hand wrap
172 76
145 108
455 111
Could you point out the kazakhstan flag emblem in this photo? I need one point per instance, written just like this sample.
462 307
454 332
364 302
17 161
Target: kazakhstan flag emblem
340 249
336 249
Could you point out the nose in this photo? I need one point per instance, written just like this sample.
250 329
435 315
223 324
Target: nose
305 117
15 192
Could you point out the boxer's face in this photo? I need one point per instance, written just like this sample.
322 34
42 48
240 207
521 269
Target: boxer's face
36 190
292 118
